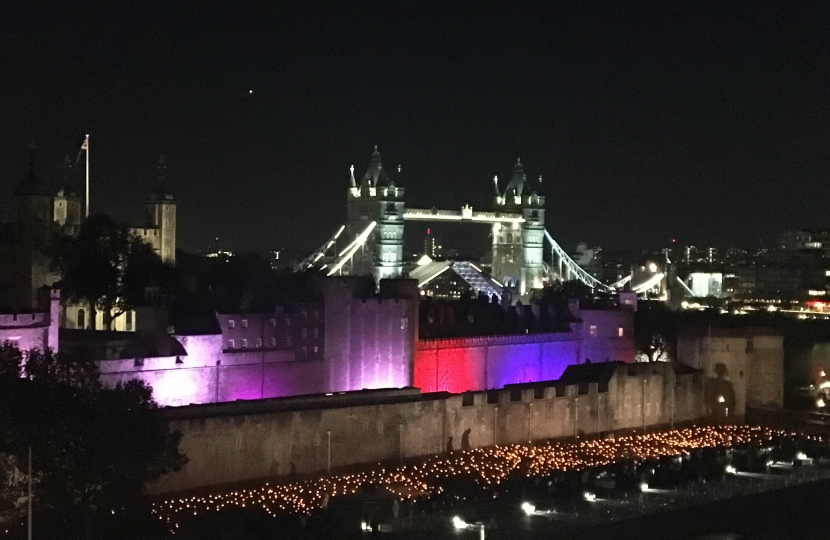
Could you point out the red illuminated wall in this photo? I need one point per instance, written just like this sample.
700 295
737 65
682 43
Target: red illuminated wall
458 365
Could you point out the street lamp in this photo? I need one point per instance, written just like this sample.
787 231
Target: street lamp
461 525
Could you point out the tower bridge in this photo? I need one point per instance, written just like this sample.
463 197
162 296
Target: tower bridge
374 233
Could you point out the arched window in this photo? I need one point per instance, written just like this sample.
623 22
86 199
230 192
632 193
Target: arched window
509 238
81 318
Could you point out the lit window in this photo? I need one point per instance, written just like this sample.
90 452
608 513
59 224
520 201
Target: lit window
244 323
231 344
592 330
316 349
404 323
620 332
244 343
231 324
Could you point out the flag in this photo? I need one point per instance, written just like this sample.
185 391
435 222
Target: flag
85 145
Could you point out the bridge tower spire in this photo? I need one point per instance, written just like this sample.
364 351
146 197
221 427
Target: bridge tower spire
380 200
518 247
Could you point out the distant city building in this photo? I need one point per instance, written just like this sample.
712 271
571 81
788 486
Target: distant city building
705 284
432 245
590 259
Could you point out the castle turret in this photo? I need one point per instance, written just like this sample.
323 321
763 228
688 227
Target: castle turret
67 208
162 210
33 230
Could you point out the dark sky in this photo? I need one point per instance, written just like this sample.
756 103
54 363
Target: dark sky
704 121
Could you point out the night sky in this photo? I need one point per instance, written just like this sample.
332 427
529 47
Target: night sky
708 122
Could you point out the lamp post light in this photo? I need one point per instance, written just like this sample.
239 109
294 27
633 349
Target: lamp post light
461 525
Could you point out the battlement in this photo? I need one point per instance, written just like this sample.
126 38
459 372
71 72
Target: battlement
24 320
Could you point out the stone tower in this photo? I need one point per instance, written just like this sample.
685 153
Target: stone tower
162 210
377 198
518 247
33 229
68 207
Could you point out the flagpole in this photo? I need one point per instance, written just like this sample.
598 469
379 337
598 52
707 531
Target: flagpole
87 174
29 533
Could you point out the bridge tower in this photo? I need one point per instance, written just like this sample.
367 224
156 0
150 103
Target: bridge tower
518 247
376 199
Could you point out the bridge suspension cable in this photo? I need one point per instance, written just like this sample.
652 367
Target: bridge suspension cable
351 249
570 266
312 259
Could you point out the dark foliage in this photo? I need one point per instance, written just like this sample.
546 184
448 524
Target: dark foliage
107 267
93 448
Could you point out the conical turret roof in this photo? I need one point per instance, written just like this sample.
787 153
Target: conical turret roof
31 184
517 179
375 173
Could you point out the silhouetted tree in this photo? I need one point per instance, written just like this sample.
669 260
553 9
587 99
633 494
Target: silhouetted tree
106 266
93 448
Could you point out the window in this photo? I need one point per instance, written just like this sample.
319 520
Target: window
273 342
515 394
561 390
582 389
258 343
304 333
287 322
287 341
404 323
592 330
81 318
231 324
305 315
128 321
244 323
316 315
492 397
305 352
316 333
539 392
244 343
467 399
620 332
231 344
316 349
602 386
273 323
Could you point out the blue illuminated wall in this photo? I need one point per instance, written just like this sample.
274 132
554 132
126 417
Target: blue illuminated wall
459 365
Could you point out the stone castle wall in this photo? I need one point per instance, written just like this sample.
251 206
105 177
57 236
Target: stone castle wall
231 443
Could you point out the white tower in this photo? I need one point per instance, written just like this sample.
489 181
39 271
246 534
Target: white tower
162 210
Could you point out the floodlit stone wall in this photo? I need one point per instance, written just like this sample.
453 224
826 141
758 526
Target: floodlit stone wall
246 441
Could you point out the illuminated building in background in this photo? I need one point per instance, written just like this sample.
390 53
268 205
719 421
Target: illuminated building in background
432 245
706 284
